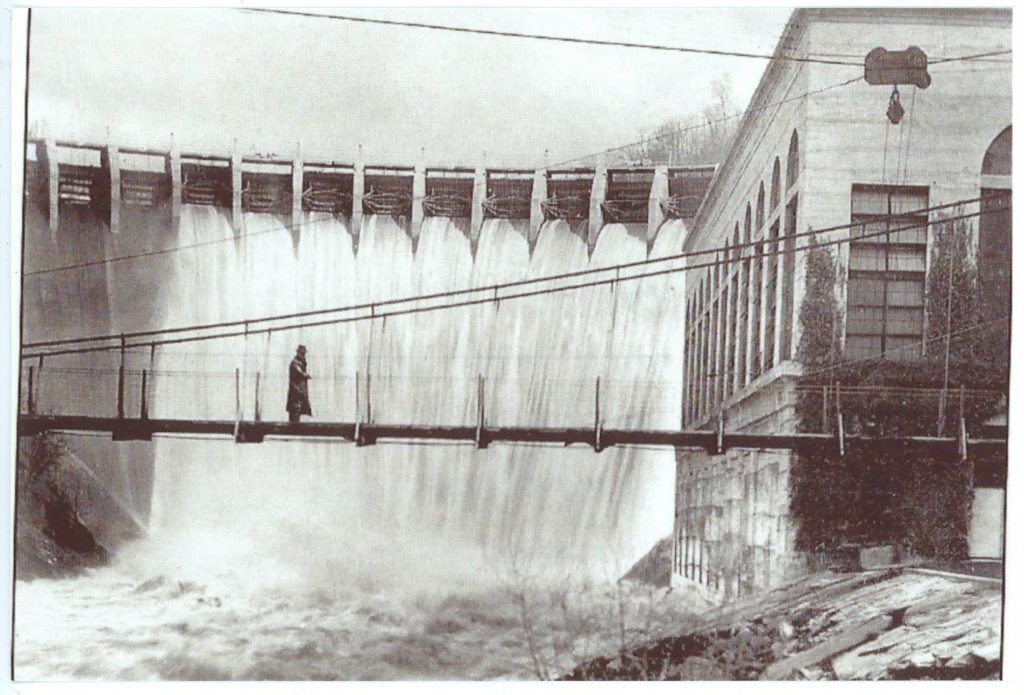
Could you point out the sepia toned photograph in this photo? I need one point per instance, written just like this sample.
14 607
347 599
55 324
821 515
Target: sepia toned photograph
511 344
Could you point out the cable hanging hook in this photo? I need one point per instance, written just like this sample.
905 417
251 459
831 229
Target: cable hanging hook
895 110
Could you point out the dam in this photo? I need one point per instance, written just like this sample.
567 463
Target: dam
120 240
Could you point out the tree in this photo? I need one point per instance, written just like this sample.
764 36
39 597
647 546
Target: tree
819 309
693 139
951 296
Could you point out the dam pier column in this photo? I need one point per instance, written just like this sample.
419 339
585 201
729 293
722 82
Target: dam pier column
174 171
110 158
537 198
476 214
236 191
655 213
419 193
358 191
296 218
53 184
598 190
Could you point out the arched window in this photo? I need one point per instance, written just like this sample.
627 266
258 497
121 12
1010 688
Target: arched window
775 186
998 155
793 161
995 243
689 357
705 339
743 292
760 208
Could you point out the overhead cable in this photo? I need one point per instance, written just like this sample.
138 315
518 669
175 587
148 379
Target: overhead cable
484 295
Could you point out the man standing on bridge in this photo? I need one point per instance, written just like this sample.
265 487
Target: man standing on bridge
298 387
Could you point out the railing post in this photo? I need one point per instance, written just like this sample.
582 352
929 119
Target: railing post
824 409
940 425
144 407
358 415
839 421
369 354
238 400
597 415
120 384
481 443
963 427
369 410
256 408
31 394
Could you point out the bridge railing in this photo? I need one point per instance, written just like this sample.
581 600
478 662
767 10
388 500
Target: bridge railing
511 396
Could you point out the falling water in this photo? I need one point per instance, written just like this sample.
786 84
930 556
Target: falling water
330 520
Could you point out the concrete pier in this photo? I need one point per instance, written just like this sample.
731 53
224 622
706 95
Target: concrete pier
264 183
174 171
538 195
236 192
655 209
476 220
297 177
110 159
598 190
419 192
52 173
358 191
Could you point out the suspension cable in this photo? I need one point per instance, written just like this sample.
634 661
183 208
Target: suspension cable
511 284
464 303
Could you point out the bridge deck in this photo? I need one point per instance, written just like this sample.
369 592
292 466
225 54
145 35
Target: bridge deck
366 434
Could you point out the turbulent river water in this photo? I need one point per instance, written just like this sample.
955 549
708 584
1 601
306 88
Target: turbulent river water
315 559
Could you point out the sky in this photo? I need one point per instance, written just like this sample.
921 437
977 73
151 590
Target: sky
278 83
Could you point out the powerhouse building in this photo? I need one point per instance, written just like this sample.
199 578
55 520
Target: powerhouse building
816 150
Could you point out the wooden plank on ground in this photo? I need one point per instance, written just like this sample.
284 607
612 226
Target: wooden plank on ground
838 644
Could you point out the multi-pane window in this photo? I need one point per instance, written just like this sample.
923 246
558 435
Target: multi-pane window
888 250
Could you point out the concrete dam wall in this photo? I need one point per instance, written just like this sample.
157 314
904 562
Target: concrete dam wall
121 241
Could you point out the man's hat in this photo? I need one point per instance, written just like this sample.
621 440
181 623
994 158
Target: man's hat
302 348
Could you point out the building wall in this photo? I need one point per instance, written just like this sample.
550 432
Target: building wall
942 138
844 138
716 378
733 531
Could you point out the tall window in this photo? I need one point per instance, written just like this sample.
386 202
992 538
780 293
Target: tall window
734 300
705 333
770 298
723 316
743 308
691 358
688 361
994 237
775 187
760 208
793 161
755 311
717 361
698 344
885 296
788 273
